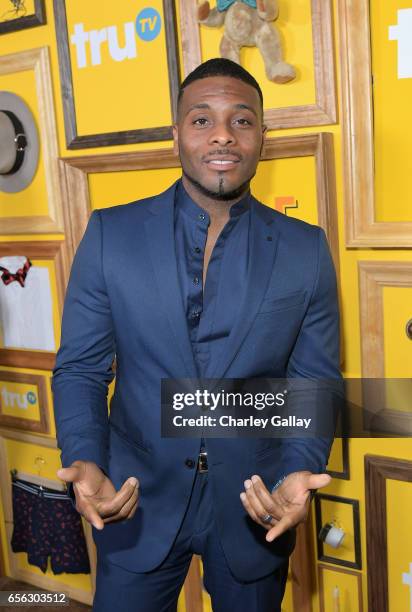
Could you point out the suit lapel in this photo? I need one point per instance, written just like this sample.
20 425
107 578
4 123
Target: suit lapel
263 242
160 237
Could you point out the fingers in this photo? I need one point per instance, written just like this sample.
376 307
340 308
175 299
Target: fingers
122 505
318 481
285 523
126 511
113 507
263 495
71 474
252 512
257 501
91 515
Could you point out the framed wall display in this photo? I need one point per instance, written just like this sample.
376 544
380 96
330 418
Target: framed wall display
343 513
23 402
339 589
32 285
21 14
318 148
129 45
385 289
315 82
371 87
36 209
39 457
388 535
338 465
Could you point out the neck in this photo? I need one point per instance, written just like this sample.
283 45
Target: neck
217 209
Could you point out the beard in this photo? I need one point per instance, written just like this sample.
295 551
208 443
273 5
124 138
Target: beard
220 193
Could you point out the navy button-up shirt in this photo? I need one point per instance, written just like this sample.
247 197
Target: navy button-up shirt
210 311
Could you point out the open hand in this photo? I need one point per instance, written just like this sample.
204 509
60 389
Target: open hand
288 505
96 498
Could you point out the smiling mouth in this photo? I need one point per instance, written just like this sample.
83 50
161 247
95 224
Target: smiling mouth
221 164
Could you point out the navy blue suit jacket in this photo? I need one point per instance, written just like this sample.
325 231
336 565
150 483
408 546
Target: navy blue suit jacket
124 300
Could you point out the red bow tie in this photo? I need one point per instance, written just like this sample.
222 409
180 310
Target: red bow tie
20 276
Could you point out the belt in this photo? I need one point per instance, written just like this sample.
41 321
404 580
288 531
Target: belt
202 462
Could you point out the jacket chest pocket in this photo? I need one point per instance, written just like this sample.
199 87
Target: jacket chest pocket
282 303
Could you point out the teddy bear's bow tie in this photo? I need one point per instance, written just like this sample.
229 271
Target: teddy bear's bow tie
222 5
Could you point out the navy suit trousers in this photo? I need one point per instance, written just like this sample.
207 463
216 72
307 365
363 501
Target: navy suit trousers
158 590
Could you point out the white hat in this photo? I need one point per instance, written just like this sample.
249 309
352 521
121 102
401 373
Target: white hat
19 143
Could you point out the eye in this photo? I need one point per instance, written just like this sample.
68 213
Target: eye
200 121
243 121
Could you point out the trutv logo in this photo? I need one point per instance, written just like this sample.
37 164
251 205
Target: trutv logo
146 26
12 399
402 33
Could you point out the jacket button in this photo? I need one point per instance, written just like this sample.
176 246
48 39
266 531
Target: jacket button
189 463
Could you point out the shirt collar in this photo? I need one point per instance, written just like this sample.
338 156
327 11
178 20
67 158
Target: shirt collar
189 206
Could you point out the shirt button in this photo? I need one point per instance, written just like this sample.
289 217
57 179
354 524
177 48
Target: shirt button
202 216
196 280
189 463
197 249
195 314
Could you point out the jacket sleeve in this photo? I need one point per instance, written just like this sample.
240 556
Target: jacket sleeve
314 367
83 367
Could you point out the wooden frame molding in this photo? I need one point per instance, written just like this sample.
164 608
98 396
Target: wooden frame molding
373 277
327 568
55 251
41 581
27 21
74 172
76 141
21 423
323 112
377 471
362 229
38 61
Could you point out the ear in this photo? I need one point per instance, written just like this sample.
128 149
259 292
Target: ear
175 140
264 135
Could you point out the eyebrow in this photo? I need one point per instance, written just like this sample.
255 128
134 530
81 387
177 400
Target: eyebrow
203 105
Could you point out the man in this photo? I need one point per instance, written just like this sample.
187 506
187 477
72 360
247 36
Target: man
200 281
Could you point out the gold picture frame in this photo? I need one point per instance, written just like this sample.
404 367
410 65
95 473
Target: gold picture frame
75 171
323 111
38 61
362 228
26 424
52 250
373 277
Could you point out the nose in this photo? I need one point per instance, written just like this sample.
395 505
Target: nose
222 134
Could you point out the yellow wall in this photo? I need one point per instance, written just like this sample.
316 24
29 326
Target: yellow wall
275 179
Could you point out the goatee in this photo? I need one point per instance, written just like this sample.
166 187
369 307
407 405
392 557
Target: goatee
220 193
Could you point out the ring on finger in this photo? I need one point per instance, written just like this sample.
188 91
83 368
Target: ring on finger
267 519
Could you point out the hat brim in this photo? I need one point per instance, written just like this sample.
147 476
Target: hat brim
19 180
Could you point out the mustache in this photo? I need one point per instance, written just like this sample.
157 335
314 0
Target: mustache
222 152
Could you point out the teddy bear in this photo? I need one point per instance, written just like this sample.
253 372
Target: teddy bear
246 25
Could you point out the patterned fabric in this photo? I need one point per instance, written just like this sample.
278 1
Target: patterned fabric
20 275
223 5
46 525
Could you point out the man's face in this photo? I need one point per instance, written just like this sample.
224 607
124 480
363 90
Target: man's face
219 135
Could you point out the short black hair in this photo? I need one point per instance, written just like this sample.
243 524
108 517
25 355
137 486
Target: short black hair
219 66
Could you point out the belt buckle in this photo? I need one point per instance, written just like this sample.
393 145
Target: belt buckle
202 462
